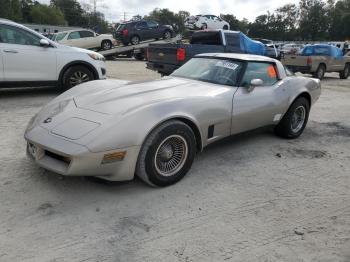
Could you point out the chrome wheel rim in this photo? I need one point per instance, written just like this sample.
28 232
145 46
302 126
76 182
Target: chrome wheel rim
171 155
135 40
78 77
167 35
298 119
106 45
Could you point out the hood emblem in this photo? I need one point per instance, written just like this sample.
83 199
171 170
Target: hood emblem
47 120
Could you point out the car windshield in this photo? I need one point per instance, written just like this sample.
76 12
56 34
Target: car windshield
60 36
213 70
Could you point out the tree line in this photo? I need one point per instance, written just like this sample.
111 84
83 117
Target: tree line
310 20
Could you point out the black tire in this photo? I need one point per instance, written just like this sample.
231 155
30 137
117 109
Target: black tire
345 73
225 27
167 34
204 26
150 157
139 56
74 72
135 40
321 70
106 45
285 126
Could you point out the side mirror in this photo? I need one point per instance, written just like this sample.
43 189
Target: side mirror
254 83
44 43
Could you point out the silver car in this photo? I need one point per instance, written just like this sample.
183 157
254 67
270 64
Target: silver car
116 129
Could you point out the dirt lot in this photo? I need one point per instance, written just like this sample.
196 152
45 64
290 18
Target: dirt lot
253 197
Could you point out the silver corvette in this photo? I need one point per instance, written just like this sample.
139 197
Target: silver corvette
116 129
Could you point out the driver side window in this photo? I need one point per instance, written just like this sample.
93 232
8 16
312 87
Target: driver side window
259 70
17 36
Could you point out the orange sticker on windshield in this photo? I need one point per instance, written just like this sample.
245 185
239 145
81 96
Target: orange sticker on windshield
271 71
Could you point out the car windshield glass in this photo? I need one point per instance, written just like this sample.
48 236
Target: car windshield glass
59 36
217 71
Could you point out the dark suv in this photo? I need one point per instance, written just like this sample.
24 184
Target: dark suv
136 31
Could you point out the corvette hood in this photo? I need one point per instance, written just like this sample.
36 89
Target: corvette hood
135 95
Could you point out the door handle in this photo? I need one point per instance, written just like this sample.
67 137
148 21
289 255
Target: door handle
10 51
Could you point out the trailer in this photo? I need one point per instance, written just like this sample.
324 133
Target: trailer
137 51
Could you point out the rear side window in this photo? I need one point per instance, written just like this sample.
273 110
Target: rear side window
121 27
152 24
259 70
206 38
74 35
84 34
141 25
232 40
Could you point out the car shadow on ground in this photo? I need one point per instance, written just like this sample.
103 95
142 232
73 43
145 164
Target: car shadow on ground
28 91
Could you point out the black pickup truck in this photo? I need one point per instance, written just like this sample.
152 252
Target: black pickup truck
166 58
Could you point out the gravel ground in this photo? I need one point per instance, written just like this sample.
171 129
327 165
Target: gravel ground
252 197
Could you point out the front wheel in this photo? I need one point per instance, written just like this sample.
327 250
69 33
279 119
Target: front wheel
167 154
294 121
76 75
345 73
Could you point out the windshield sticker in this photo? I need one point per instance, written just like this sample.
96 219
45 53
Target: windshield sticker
227 64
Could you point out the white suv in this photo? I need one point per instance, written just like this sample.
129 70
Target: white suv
206 22
85 39
30 59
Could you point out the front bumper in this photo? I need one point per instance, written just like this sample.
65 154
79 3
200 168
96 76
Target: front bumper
67 158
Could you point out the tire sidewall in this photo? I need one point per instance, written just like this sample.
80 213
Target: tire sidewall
284 127
165 33
175 129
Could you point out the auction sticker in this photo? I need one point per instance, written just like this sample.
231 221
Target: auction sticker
227 64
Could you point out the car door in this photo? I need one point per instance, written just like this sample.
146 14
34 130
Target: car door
88 39
264 105
154 30
143 31
74 39
24 59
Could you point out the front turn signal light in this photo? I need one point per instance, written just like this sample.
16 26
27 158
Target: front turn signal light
113 157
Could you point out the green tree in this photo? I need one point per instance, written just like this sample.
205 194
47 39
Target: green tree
43 14
314 20
72 11
11 9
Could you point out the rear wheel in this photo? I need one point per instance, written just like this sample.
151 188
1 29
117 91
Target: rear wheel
167 34
321 70
135 40
345 73
167 154
76 75
294 121
106 44
225 27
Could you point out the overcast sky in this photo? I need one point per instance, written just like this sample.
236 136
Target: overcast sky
114 9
